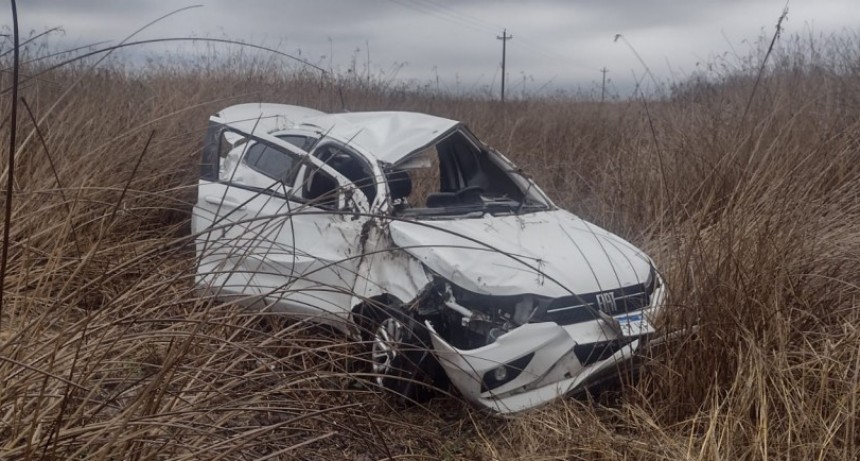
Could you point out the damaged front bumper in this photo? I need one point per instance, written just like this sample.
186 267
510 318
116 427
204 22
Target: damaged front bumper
536 363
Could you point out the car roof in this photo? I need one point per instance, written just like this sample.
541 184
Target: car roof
265 117
387 136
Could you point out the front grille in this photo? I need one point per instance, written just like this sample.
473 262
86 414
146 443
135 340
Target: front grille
568 310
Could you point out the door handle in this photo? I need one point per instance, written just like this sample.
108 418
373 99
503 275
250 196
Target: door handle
223 202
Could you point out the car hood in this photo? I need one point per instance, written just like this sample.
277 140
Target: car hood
552 253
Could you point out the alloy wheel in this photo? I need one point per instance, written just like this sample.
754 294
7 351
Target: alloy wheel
385 343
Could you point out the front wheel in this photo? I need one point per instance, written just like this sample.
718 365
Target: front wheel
400 352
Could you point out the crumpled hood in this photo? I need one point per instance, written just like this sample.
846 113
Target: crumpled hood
551 253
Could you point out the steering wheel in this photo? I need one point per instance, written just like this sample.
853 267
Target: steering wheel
468 191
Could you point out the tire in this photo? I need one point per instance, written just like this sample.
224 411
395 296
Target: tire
400 352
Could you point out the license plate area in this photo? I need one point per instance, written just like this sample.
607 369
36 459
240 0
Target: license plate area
634 324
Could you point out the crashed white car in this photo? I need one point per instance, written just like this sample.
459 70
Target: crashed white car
407 231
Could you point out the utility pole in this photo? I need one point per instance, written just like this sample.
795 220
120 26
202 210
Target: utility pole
524 85
603 85
504 38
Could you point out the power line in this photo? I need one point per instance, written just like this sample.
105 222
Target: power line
454 12
436 14
453 15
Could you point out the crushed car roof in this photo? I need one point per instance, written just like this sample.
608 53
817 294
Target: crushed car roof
265 117
386 136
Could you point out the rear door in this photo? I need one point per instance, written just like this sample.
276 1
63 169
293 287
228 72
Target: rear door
261 238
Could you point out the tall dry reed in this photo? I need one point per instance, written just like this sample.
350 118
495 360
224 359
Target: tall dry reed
106 352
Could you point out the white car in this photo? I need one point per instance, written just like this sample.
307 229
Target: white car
407 231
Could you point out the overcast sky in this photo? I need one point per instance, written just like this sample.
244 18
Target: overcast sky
556 43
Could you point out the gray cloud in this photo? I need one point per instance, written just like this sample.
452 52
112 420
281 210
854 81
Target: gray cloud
558 41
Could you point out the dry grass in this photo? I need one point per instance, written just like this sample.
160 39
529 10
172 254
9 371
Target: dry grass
106 353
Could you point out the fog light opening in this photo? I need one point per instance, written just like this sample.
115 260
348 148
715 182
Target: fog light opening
500 373
505 373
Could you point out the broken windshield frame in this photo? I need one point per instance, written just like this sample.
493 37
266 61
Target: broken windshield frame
460 175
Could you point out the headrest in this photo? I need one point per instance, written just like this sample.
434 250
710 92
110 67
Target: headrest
399 184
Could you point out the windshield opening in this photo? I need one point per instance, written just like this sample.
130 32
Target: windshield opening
455 176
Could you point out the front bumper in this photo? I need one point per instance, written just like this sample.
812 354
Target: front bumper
543 361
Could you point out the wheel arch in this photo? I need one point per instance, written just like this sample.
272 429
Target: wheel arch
359 312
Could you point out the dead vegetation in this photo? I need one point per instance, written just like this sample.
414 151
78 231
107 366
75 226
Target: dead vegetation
106 352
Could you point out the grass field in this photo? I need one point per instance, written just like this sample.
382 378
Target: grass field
744 191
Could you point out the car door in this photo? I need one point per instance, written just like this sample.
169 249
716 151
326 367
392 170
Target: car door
261 239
